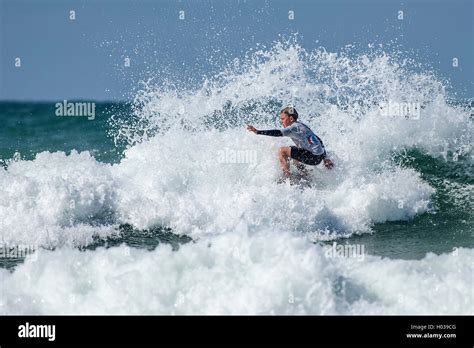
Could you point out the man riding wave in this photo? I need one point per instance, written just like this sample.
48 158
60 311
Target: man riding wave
309 147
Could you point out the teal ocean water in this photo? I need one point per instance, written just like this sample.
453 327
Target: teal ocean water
31 128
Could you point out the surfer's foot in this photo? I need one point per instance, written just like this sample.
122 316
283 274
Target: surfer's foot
282 179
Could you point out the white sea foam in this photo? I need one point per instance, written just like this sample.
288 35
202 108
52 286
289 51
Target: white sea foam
171 174
253 250
45 202
196 194
177 181
271 272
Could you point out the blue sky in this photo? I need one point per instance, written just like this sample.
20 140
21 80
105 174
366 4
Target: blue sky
83 59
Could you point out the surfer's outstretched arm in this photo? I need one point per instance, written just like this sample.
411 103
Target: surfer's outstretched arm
271 132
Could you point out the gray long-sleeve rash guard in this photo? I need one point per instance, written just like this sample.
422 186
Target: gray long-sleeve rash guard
302 136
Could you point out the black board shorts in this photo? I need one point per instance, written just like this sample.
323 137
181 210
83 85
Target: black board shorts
305 156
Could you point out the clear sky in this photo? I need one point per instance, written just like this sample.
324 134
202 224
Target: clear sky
84 58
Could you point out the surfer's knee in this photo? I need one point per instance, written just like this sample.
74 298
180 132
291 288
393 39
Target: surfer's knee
283 152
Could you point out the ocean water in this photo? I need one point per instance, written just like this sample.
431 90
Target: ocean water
167 205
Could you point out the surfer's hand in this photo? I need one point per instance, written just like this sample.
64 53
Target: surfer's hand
328 163
251 128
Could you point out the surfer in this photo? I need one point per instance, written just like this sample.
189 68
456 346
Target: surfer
309 147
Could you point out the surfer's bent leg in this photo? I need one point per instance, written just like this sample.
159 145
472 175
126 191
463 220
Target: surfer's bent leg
284 154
